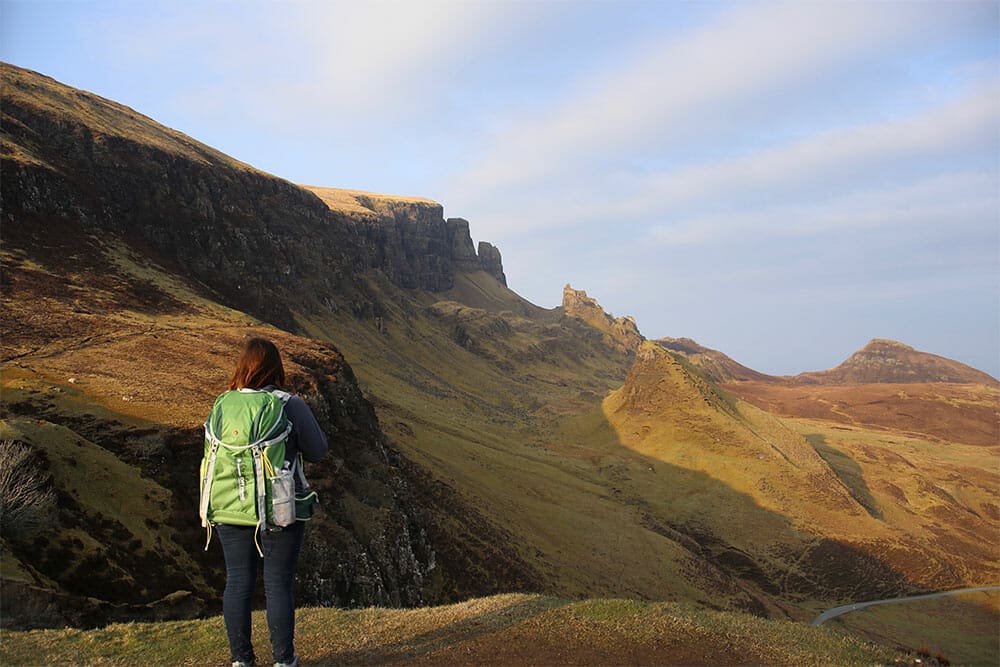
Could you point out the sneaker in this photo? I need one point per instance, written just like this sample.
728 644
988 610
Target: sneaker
241 663
293 663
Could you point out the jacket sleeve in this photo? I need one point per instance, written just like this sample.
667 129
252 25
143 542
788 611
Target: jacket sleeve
311 439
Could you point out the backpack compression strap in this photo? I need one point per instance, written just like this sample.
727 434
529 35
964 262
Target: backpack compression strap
206 487
261 465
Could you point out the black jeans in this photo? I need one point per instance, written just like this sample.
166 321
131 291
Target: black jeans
281 552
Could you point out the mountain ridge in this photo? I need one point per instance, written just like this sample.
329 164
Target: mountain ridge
484 444
880 361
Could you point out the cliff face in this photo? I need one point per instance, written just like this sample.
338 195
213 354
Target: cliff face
266 245
87 182
490 261
622 332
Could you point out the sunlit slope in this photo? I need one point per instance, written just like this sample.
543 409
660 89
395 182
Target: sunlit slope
499 630
946 412
30 96
803 509
491 404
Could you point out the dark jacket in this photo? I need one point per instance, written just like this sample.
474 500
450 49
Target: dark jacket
306 436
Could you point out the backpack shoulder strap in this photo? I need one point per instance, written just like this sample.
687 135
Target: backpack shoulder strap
283 395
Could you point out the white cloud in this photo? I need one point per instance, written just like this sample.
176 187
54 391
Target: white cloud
675 88
826 166
833 160
372 55
955 202
315 68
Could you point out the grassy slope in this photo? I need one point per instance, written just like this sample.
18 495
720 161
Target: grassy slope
963 413
53 98
506 432
78 357
88 361
607 500
932 504
938 499
963 628
500 630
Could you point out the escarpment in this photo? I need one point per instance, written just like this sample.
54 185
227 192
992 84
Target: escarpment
131 253
621 332
263 244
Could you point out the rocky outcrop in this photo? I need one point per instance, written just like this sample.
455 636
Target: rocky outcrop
621 332
412 246
889 361
81 174
265 245
717 366
491 262
463 253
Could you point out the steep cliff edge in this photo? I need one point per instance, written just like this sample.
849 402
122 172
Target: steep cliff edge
413 243
131 254
622 332
265 245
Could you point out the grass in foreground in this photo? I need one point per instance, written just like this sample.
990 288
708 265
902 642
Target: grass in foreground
499 630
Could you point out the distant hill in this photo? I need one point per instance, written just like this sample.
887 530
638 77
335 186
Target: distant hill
619 331
481 444
889 361
716 365
880 361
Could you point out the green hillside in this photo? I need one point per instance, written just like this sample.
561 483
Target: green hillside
499 630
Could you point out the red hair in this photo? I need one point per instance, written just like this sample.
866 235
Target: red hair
259 365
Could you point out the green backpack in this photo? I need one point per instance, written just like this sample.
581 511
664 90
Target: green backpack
244 477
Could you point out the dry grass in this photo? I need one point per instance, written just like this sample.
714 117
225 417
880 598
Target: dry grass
964 628
104 118
964 413
500 630
360 202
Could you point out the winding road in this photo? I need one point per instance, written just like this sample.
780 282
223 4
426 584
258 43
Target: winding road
847 608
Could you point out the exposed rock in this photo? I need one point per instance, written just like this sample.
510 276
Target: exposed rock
412 244
261 242
491 262
620 331
714 364
463 253
80 171
889 361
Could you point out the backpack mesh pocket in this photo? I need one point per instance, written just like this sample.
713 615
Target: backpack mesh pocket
283 498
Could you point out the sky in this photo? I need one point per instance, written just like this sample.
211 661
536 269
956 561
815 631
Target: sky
779 181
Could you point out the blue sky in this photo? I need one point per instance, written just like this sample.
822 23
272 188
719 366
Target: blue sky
780 181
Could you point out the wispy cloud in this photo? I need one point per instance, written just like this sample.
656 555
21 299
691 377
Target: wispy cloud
354 63
715 76
812 172
958 203
749 155
835 160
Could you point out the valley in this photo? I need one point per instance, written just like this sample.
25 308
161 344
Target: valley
480 444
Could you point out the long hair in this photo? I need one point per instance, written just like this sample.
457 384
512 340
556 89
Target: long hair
259 365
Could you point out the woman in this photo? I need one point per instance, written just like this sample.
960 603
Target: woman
259 367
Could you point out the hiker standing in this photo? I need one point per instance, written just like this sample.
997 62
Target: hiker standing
256 438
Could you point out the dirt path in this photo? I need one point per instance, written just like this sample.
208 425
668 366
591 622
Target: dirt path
847 608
